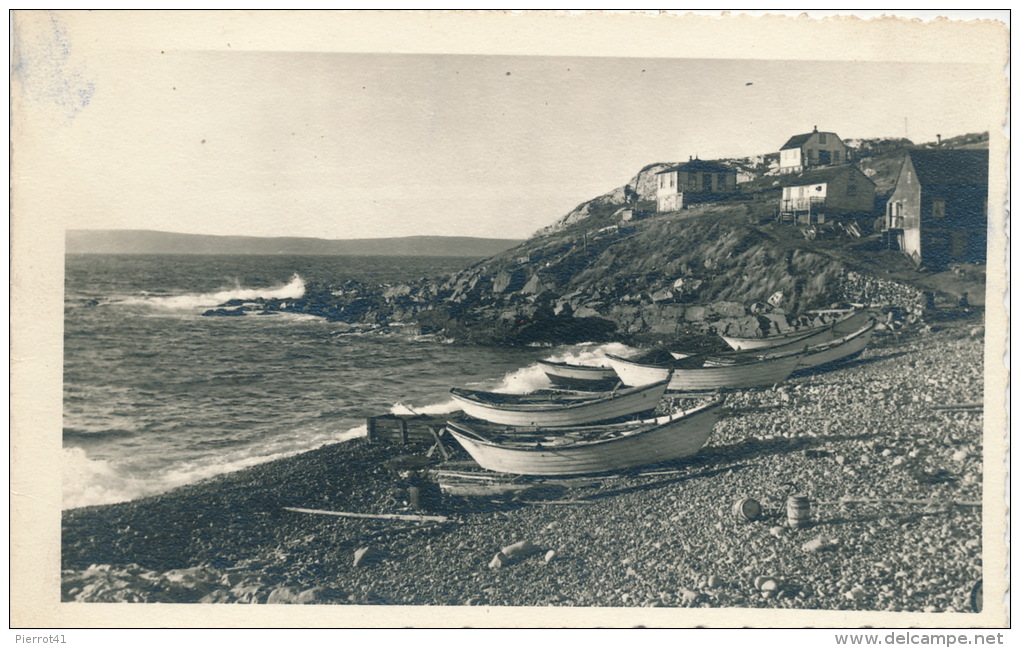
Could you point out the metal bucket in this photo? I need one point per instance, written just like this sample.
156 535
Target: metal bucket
798 511
746 509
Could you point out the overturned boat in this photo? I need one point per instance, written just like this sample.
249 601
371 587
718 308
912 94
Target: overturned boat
558 408
579 450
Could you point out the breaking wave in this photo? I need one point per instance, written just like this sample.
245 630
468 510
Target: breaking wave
89 482
294 289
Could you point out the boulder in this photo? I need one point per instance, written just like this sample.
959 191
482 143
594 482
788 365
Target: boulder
508 281
534 286
283 596
695 313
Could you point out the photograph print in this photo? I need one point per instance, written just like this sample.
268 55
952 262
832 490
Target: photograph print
423 331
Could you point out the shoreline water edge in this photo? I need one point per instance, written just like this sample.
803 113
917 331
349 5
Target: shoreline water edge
887 447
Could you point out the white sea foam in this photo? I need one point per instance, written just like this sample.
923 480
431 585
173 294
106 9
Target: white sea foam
532 377
294 289
88 482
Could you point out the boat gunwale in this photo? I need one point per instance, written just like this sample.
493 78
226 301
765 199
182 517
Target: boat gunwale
576 367
676 418
783 352
584 399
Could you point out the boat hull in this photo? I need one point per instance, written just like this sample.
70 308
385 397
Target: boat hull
601 407
680 437
817 355
578 376
755 374
746 374
807 337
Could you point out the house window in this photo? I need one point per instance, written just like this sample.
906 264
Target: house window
672 180
706 180
938 208
835 157
851 190
821 138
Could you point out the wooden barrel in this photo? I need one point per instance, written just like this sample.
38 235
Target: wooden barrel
798 511
746 509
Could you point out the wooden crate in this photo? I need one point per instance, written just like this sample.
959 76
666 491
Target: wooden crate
404 429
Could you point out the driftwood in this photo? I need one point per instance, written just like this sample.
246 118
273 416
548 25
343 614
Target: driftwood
372 516
556 502
961 406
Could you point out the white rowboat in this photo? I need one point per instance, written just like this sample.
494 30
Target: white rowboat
559 408
810 356
578 376
753 372
594 449
808 336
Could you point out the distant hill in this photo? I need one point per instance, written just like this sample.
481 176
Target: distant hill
152 242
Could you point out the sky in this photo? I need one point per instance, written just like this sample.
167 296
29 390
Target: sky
362 145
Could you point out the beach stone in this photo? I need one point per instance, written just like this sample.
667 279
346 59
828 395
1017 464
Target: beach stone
769 585
855 594
960 455
520 549
819 543
283 596
714 581
246 593
499 560
217 596
362 556
309 595
549 555
688 596
778 531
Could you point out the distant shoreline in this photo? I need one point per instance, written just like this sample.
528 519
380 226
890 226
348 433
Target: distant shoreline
170 243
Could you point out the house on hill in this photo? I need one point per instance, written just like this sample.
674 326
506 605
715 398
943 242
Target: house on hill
938 211
814 149
701 178
823 194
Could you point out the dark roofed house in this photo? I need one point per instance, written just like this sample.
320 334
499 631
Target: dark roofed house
700 177
938 211
826 193
812 149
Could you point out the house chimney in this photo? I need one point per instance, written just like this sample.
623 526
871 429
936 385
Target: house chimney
939 136
816 129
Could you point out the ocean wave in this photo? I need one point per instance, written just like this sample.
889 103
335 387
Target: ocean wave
294 289
75 435
532 377
89 482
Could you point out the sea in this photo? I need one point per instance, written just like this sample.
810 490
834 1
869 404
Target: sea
158 396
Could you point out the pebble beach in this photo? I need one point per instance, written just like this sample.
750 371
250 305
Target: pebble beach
887 448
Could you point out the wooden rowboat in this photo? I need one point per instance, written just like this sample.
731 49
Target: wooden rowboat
809 356
560 407
691 374
579 376
591 449
808 336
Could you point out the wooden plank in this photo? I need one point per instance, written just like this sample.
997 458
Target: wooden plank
439 443
371 516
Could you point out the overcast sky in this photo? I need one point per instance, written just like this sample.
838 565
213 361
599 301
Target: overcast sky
342 145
